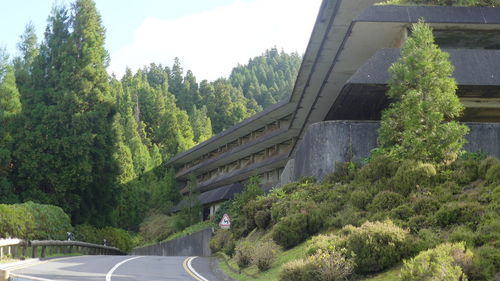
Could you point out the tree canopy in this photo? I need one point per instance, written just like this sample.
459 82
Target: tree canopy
73 136
419 123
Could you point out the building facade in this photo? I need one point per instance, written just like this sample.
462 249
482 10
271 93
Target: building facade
332 113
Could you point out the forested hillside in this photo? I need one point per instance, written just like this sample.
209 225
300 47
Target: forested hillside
73 136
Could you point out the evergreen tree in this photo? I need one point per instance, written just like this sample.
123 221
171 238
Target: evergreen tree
66 156
268 78
176 81
201 124
23 65
191 211
10 107
418 124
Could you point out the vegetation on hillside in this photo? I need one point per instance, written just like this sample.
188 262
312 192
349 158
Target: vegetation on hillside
480 3
74 137
415 200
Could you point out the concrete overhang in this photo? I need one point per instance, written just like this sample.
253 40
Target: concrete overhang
244 173
213 196
273 138
348 45
255 122
363 96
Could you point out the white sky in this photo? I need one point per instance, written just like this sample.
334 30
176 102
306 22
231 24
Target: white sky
211 43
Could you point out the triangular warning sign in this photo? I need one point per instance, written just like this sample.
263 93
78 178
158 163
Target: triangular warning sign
225 222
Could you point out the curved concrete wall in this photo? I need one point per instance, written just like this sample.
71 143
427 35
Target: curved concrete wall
326 143
195 244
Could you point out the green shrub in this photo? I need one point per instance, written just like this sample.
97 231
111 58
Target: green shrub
485 165
281 209
376 245
299 270
402 212
348 215
486 264
486 3
344 172
493 174
418 222
114 237
220 240
34 221
412 175
88 233
157 227
465 171
462 234
386 200
424 239
264 254
262 218
469 213
425 205
16 221
322 241
379 167
445 262
118 238
291 230
51 222
224 241
488 231
360 199
243 254
333 264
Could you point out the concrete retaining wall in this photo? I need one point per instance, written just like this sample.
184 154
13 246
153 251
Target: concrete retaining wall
195 244
329 142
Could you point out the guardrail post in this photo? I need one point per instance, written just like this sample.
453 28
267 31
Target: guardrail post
43 254
33 251
14 251
1 252
4 275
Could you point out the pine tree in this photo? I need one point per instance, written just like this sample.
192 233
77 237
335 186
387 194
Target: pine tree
23 65
201 124
66 156
10 107
418 124
92 118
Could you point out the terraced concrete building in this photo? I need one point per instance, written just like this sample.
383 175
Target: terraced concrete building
339 95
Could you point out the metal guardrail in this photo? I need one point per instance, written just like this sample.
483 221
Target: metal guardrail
41 248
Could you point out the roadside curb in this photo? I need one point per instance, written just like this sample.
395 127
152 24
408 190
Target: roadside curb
5 268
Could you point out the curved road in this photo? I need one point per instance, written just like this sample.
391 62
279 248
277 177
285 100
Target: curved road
118 268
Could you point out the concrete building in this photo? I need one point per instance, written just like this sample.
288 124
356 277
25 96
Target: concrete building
332 113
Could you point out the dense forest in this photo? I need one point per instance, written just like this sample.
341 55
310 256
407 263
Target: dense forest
74 136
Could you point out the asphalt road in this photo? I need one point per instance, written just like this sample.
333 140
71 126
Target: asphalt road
120 268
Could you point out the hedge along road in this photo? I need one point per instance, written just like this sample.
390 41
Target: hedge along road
112 268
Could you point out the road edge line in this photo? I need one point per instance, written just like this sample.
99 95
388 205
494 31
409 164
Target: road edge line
26 277
189 269
108 275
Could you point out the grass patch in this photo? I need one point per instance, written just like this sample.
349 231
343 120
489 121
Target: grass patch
190 230
389 275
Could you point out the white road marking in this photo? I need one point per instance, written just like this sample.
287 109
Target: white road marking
194 271
15 277
108 276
